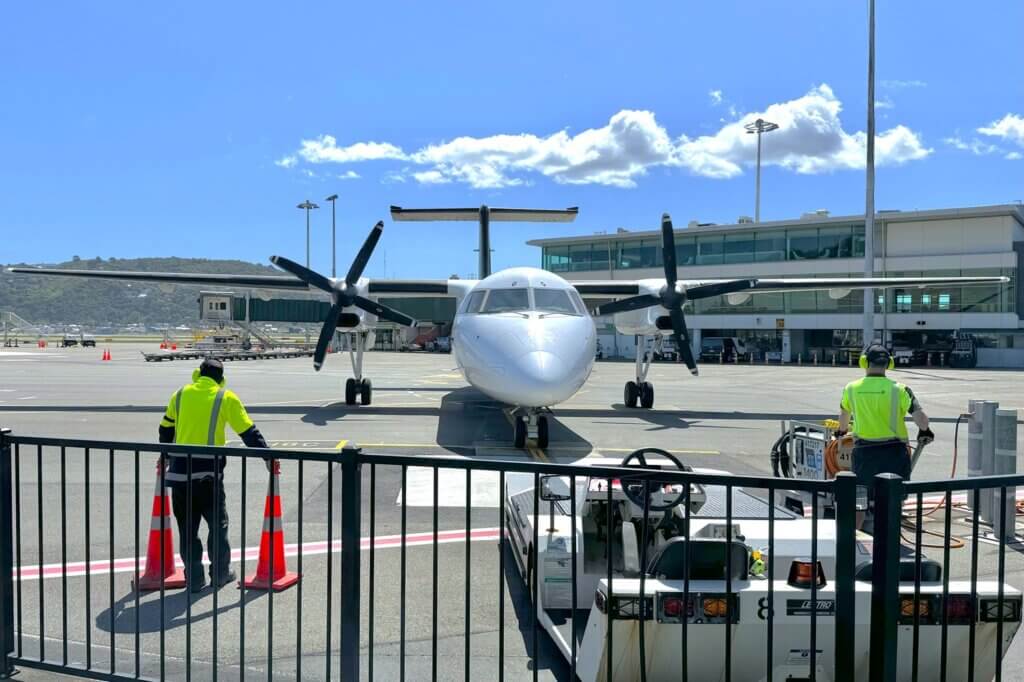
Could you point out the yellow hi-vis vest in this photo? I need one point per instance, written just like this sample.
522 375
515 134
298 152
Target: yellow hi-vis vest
879 407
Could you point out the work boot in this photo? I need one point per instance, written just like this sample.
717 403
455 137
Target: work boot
224 579
197 585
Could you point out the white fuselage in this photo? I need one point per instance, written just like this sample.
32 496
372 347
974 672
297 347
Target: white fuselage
523 337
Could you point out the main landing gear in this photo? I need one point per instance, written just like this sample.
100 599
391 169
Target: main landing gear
641 390
532 424
358 386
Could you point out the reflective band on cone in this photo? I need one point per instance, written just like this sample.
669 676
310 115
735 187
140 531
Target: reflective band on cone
272 544
160 573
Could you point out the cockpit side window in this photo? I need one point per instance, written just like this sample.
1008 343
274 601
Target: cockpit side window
553 301
506 301
575 295
473 302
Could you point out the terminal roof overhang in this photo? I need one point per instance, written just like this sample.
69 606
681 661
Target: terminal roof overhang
1014 210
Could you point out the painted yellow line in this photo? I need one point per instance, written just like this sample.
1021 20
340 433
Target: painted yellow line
341 443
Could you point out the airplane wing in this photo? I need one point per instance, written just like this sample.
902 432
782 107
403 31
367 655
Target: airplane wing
249 281
421 287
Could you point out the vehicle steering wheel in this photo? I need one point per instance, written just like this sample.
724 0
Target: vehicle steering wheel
635 491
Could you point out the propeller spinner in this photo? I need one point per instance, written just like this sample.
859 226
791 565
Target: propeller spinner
344 293
672 298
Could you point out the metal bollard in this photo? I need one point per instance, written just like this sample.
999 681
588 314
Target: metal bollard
721 358
942 359
849 359
833 359
800 359
928 360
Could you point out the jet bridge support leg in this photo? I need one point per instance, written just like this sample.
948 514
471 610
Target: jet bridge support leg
357 386
641 390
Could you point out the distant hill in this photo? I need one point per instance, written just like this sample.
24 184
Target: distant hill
72 300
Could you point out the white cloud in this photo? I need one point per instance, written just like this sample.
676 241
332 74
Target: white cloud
974 146
1014 156
287 162
716 96
811 139
902 85
325 149
1009 128
884 103
349 175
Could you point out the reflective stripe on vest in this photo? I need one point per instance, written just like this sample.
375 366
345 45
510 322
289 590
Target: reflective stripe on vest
211 434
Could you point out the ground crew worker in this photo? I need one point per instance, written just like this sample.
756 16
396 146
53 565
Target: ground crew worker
196 415
878 406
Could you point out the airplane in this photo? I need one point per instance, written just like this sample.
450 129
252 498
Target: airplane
521 336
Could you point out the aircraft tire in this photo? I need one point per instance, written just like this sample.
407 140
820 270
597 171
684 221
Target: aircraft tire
350 391
647 395
630 394
519 436
365 392
542 432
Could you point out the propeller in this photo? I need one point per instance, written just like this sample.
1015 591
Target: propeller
344 293
672 298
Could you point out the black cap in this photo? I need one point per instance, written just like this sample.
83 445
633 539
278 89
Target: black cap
877 355
213 368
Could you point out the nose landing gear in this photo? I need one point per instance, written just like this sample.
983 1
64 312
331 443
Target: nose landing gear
641 390
531 425
358 386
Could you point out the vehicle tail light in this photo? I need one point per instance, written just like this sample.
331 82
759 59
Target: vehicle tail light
672 607
990 612
926 609
715 607
802 573
959 609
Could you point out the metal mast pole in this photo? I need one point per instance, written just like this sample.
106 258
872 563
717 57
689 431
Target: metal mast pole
307 205
759 127
334 248
869 202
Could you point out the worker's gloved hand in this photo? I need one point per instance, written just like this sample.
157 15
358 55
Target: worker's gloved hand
925 436
273 465
839 433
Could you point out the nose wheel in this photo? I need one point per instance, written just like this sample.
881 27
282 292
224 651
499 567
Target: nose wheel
532 426
358 388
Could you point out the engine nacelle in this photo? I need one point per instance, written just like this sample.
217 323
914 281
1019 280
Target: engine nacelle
643 321
348 321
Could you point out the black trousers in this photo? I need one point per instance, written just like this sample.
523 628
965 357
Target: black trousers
207 502
871 459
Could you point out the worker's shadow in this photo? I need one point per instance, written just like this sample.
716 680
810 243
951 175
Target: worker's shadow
124 617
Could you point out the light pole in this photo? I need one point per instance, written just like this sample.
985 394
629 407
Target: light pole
307 204
760 126
334 249
869 199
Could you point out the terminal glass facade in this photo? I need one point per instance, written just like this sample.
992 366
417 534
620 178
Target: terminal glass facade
747 246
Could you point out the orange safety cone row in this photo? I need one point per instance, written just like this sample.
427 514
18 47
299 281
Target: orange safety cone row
160 570
174 346
106 355
271 570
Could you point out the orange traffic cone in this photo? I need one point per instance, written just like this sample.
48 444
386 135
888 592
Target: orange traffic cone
163 345
106 355
272 545
159 572
174 346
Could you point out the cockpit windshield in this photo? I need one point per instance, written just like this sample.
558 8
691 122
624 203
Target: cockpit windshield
506 301
553 301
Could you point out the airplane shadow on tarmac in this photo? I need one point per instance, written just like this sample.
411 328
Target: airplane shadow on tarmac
121 619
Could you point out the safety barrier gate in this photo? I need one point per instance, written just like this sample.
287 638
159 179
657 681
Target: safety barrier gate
154 636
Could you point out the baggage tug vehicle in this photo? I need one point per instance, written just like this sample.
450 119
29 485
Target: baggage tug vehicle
726 615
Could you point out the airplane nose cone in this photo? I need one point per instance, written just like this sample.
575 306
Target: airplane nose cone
544 377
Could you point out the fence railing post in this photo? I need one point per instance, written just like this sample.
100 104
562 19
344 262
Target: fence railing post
351 530
885 578
6 558
846 587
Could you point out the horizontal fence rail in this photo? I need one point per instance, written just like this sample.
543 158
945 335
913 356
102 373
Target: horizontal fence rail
501 610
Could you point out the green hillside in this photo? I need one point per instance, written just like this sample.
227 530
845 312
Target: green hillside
48 300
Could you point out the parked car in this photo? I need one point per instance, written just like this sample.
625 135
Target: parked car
726 348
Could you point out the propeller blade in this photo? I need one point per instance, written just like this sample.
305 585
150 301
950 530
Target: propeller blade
383 311
682 339
627 304
363 257
326 334
720 288
668 249
303 273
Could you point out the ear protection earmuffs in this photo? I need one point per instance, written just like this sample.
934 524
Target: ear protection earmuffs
875 349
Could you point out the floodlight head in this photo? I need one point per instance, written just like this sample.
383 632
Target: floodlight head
331 198
307 204
760 126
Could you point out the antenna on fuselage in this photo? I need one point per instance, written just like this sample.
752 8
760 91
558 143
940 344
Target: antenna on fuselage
484 215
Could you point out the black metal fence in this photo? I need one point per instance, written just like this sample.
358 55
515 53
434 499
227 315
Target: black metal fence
38 497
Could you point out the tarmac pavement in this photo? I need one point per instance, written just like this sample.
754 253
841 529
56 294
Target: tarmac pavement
726 419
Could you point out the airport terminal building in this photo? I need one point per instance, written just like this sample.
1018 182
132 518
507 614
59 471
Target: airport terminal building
984 240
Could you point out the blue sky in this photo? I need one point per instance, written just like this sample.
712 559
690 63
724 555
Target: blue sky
193 130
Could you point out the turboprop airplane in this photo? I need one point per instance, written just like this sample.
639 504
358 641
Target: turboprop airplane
522 336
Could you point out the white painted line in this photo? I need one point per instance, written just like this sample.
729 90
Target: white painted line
451 488
102 567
